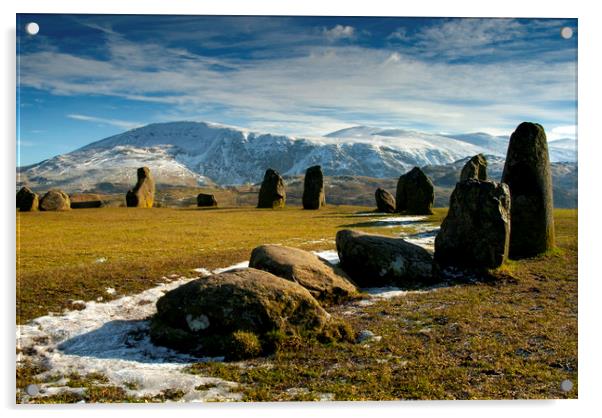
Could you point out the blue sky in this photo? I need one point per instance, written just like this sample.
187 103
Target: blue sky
86 77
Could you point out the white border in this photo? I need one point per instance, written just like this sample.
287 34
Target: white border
589 198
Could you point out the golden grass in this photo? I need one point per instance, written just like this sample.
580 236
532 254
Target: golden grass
515 338
58 253
512 338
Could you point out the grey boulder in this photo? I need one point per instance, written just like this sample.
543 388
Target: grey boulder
377 260
324 281
385 202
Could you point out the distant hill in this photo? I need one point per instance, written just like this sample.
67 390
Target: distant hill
191 154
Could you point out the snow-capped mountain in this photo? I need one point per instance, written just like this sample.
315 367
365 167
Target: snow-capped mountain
561 150
190 153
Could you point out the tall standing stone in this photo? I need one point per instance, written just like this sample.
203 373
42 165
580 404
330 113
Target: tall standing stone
385 202
475 168
475 234
415 193
527 173
55 200
272 193
313 188
143 194
27 200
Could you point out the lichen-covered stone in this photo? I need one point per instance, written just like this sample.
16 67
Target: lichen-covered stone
325 282
475 234
206 316
378 260
385 202
527 173
55 200
272 193
313 188
475 168
415 193
143 193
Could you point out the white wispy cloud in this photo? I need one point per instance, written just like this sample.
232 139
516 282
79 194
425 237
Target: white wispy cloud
399 34
562 132
462 37
340 32
25 143
113 122
324 88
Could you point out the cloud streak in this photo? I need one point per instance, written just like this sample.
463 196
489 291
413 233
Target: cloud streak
328 86
113 122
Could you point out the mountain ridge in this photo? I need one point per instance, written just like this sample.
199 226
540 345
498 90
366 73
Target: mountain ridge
203 153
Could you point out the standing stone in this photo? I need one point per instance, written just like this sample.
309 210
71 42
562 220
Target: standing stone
272 193
527 173
476 231
206 200
475 168
27 200
143 194
55 200
313 188
415 193
385 202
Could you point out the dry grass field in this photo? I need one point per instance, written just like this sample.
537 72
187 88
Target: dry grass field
515 337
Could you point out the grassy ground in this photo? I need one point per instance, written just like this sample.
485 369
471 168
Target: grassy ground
512 339
64 256
515 338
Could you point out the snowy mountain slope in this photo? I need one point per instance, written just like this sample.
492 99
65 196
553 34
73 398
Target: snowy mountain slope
190 153
560 150
85 169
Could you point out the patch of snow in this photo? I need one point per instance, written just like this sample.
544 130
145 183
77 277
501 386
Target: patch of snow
367 335
424 239
320 241
400 220
385 292
113 339
203 271
241 265
331 256
110 291
101 260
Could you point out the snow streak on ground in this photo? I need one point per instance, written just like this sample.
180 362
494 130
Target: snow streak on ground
112 338
330 256
392 221
241 265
